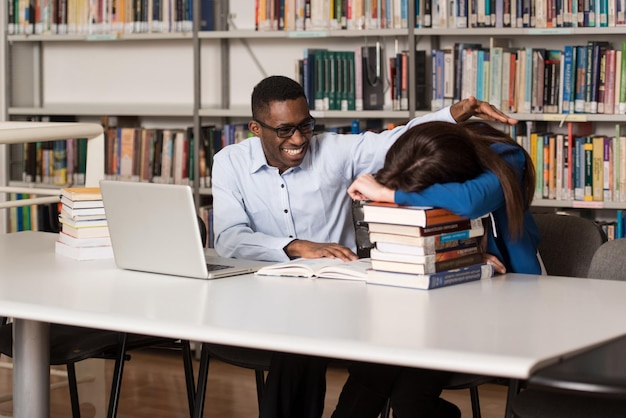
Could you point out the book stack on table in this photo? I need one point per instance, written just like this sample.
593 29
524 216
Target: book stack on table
84 231
423 247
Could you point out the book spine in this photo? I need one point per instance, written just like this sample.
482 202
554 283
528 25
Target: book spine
452 277
581 79
597 167
588 169
609 98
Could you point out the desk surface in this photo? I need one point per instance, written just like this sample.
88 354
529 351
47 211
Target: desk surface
507 326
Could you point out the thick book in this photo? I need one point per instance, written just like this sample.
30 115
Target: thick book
431 281
423 216
81 193
327 268
94 232
376 254
83 253
419 245
80 211
427 268
77 222
84 242
473 227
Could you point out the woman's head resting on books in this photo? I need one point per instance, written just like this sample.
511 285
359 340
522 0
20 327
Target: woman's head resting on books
442 152
430 153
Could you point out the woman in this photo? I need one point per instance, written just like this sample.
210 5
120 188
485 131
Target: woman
472 169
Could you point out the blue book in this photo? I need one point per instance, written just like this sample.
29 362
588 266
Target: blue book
431 281
404 14
461 14
619 225
480 69
437 79
581 79
603 13
529 81
594 51
578 172
568 79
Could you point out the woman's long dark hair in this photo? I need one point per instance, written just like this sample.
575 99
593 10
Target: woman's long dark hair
441 152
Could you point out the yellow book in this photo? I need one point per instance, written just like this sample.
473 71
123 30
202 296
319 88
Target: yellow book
81 193
597 168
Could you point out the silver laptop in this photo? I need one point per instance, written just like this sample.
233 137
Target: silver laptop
154 228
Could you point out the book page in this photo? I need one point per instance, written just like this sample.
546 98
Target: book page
319 267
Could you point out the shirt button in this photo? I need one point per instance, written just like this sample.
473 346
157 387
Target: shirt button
286 211
290 236
282 186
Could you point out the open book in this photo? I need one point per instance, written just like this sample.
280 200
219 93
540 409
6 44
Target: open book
327 268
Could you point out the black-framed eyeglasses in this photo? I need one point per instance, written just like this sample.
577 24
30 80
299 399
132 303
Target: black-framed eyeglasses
305 128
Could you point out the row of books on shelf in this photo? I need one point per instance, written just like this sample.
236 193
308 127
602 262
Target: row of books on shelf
166 155
523 14
40 217
615 229
51 17
298 15
323 15
356 79
578 79
145 16
578 165
57 163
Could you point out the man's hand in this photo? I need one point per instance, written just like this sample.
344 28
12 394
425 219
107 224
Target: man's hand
466 108
308 249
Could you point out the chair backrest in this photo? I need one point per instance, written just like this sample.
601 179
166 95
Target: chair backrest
568 243
609 261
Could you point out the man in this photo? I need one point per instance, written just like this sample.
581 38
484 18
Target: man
282 195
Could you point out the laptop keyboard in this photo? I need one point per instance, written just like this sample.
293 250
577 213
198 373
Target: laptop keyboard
213 267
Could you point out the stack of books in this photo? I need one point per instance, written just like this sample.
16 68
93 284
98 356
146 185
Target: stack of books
423 247
84 231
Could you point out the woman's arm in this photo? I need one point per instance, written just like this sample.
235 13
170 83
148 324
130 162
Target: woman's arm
473 198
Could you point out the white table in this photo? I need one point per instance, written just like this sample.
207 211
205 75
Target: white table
508 326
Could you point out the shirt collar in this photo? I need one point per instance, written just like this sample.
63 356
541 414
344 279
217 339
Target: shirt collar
257 156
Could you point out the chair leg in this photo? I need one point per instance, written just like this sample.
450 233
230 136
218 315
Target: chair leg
203 373
260 384
73 386
190 382
514 388
387 410
475 401
116 384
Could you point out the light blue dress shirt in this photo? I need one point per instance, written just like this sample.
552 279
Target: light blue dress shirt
257 211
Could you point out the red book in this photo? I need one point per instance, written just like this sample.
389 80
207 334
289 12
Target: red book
422 216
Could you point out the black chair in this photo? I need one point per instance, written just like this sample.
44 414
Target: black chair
568 243
71 344
249 358
608 263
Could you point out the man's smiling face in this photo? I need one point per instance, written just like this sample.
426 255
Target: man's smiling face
289 150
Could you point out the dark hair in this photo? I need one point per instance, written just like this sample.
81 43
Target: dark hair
275 88
442 152
436 152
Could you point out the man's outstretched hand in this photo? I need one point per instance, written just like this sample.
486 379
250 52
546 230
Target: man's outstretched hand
466 108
